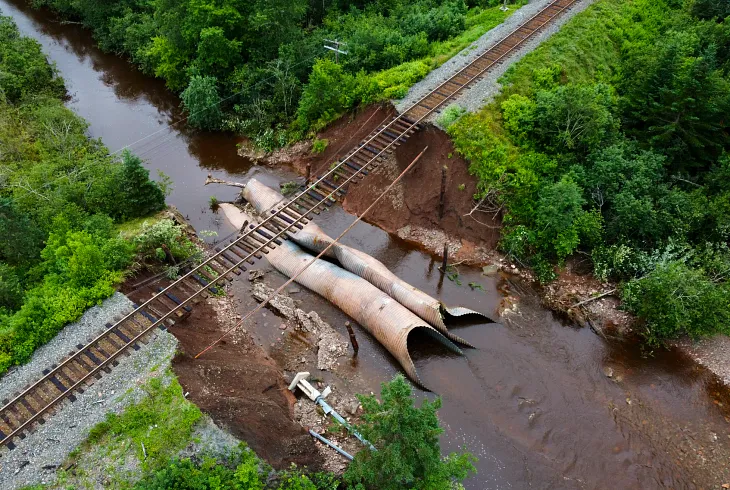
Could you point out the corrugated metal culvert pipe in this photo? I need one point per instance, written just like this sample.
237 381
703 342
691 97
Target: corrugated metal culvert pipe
311 237
386 319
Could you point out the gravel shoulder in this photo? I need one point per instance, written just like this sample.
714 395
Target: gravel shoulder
484 91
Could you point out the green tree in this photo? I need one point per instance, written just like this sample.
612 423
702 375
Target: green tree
407 440
20 238
329 92
708 9
676 299
575 118
141 196
557 217
23 68
202 103
677 99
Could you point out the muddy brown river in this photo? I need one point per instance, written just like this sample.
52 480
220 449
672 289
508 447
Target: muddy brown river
533 402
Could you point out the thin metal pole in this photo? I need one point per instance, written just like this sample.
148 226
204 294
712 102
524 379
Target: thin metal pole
332 445
442 195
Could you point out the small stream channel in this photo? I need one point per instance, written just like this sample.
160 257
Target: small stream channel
533 402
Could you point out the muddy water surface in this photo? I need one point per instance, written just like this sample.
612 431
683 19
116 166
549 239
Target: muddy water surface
540 403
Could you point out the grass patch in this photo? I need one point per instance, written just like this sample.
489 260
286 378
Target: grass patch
135 227
162 421
587 48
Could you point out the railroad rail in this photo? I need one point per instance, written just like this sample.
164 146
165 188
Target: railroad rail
58 384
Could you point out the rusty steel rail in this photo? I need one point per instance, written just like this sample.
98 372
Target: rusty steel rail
81 368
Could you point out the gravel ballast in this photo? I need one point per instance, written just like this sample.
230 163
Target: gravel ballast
91 324
483 91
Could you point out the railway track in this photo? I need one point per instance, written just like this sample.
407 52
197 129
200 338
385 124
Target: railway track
58 384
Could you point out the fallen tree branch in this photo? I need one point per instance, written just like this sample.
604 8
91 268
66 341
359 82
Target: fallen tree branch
602 295
213 180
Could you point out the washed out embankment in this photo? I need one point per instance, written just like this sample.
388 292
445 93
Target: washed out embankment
411 212
238 384
311 237
383 317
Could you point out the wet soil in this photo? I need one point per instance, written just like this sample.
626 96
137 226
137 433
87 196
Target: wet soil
237 384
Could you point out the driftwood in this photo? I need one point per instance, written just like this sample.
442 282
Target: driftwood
602 295
213 180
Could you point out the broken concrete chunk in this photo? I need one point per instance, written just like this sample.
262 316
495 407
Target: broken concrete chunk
283 305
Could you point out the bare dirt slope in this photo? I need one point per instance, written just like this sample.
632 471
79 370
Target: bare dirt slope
411 210
238 385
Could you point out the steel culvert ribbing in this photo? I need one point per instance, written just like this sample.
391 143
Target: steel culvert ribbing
311 237
386 319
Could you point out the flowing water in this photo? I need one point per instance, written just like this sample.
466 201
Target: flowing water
533 402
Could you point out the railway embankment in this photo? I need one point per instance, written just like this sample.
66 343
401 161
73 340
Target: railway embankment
37 457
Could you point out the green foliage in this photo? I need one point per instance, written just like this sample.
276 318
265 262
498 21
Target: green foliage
163 421
450 115
24 71
60 193
678 97
241 470
80 268
675 299
201 101
140 196
407 439
612 138
260 55
518 116
330 91
709 9
163 240
576 118
319 145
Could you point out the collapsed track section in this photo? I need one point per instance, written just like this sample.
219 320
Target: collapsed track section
57 385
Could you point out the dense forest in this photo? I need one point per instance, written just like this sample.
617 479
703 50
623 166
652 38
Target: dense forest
610 144
62 200
265 60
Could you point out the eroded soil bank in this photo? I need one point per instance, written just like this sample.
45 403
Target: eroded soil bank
237 383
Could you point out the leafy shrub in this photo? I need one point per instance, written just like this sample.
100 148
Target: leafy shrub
330 91
518 116
155 241
576 118
450 115
240 470
675 299
319 146
408 452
